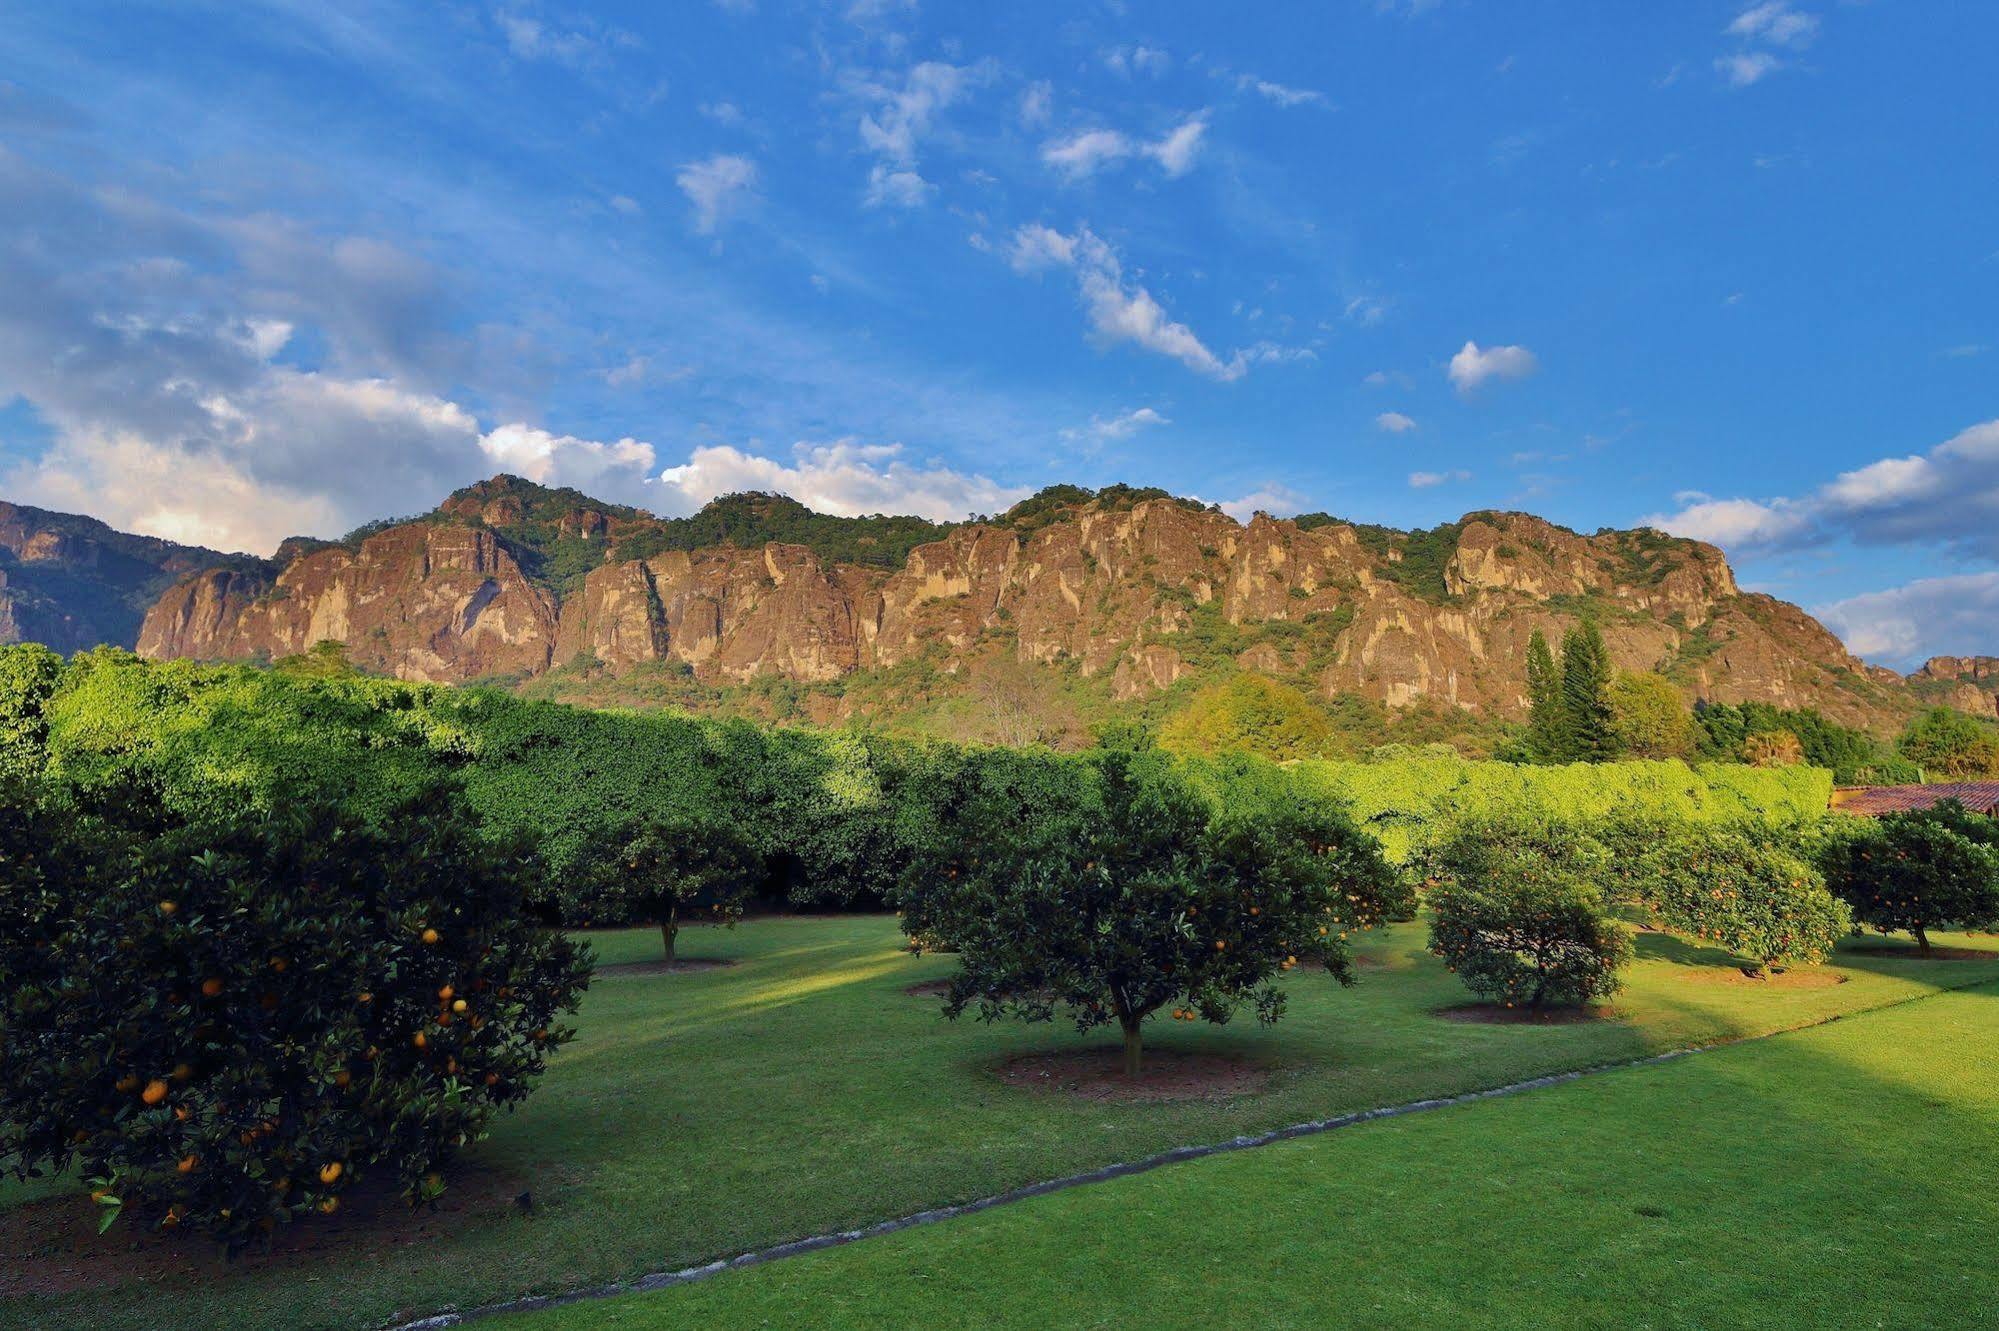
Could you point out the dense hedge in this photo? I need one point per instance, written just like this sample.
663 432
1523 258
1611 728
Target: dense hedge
1408 803
224 1020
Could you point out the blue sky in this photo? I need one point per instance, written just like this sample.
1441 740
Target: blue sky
1729 268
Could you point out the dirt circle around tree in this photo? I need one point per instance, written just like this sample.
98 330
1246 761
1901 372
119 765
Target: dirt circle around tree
1494 1014
1937 953
929 989
1166 1075
1805 977
625 970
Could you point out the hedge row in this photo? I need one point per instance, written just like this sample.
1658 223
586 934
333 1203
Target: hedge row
1409 804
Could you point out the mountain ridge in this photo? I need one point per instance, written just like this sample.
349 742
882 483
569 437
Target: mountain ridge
1131 593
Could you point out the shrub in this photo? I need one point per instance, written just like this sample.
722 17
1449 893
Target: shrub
1519 915
647 869
1129 893
1748 893
1948 743
226 1024
1934 868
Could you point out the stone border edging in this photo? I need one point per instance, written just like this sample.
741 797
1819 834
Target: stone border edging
1144 1164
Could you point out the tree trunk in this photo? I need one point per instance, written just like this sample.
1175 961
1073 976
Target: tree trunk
1131 1048
669 933
1922 940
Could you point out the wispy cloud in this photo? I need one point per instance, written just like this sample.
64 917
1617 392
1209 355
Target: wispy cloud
718 187
1394 422
1425 480
1762 32
1088 151
1122 426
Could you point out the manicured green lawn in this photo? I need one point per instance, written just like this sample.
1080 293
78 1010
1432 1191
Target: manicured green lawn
703 1114
1837 1177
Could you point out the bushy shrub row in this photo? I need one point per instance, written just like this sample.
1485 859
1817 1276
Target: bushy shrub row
226 1018
1409 804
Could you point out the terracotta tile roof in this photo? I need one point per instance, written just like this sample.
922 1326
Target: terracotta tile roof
1873 801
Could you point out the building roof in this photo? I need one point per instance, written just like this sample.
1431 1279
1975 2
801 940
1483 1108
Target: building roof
1873 801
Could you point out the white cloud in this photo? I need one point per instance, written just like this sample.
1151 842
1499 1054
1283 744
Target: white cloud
1733 523
1948 496
1176 152
901 115
1037 104
1081 154
1125 61
1424 480
1086 152
1394 422
1280 94
1947 616
563 459
1775 22
717 187
583 47
1122 311
1474 365
843 478
900 189
1760 28
1276 500
1746 67
1121 426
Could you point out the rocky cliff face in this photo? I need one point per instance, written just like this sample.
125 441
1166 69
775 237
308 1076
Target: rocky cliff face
1968 683
73 582
1135 595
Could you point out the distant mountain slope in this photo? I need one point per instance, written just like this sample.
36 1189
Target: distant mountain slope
73 582
1121 593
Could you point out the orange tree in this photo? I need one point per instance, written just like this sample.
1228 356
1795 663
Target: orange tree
1109 889
226 1024
1520 915
647 868
1933 868
1752 890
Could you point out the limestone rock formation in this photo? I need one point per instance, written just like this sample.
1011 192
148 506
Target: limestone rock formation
1133 591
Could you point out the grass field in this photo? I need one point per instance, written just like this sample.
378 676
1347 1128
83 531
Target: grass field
804 1090
1836 1177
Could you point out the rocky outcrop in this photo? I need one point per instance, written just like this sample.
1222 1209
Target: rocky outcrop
1138 595
425 600
72 582
1969 683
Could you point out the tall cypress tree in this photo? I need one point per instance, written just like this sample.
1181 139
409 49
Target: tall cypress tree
1586 711
1544 702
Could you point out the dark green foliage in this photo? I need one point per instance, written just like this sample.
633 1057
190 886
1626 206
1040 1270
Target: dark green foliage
1935 868
1424 555
1587 731
1054 503
648 869
1853 756
1521 918
750 520
1547 726
29 673
1948 745
227 1021
1114 888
